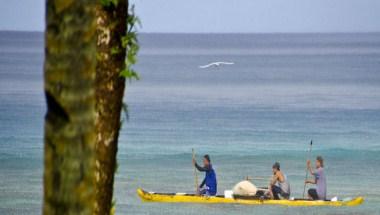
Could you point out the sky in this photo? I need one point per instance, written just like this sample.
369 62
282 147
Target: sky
223 16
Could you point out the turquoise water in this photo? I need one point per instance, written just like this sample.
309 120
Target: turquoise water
283 91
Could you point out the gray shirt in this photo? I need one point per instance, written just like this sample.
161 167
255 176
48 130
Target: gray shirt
285 187
321 183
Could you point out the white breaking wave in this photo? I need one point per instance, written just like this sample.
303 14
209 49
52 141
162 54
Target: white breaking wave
216 64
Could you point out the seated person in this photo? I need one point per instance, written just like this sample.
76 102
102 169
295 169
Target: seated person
279 185
319 179
209 185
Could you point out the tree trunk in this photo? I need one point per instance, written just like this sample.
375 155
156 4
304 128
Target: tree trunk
111 27
70 67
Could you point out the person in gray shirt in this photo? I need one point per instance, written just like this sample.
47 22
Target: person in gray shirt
279 185
319 180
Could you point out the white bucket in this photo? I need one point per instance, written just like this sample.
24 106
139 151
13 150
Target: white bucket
228 194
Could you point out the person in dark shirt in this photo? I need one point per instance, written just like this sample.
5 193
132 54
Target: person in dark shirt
209 185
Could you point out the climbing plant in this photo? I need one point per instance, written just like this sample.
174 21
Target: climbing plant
130 42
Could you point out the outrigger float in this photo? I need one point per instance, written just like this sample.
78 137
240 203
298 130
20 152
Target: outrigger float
199 199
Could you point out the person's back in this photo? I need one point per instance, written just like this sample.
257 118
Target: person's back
210 181
321 183
284 185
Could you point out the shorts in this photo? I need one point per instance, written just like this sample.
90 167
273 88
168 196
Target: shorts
313 194
277 192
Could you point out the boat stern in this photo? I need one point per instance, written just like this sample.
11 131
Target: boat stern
355 202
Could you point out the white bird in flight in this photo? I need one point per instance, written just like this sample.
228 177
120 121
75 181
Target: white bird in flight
216 64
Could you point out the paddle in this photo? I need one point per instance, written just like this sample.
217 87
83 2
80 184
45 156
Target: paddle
307 171
195 176
248 178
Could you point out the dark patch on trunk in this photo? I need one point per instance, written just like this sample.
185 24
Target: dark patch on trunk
55 110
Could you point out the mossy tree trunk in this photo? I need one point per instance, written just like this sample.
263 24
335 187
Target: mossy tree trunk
70 69
111 27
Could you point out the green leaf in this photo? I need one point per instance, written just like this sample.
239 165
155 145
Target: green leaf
129 74
115 50
109 3
130 42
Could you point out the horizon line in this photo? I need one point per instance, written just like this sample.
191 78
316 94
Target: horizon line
263 32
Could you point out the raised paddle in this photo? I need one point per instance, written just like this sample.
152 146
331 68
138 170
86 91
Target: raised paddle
195 175
307 171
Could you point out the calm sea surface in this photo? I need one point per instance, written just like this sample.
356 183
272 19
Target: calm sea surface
282 91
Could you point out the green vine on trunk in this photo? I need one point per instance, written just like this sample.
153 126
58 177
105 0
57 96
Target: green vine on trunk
130 43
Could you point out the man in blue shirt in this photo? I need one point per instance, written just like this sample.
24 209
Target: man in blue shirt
209 185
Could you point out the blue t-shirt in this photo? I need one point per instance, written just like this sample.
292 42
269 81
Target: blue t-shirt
209 180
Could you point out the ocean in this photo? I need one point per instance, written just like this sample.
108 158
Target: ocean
283 91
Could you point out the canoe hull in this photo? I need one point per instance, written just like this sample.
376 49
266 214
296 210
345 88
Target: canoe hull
184 198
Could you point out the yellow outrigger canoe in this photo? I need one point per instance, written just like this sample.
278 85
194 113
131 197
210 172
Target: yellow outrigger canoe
191 198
